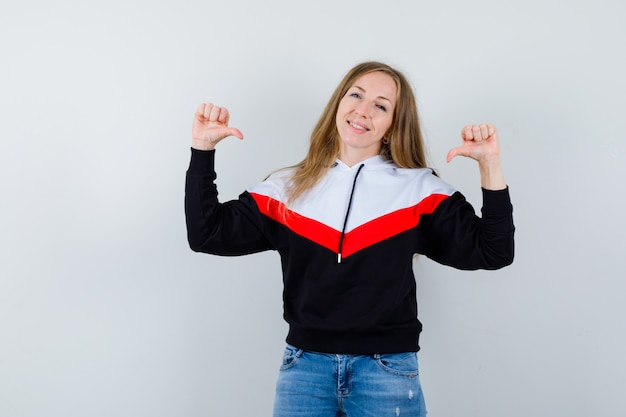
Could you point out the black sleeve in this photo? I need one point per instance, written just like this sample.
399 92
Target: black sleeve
454 235
231 228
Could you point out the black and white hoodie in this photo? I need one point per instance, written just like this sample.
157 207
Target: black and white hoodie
347 246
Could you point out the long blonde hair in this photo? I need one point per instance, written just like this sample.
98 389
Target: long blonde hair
405 146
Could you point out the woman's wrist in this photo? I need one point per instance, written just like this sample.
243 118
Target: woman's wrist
491 177
203 145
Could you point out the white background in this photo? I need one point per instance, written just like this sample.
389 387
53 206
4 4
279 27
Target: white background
104 311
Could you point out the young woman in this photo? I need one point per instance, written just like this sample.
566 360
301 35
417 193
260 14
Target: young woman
347 222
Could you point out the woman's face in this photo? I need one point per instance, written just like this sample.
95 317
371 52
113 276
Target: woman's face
364 115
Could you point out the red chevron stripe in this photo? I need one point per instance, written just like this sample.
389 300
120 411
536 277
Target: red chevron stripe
304 226
388 225
365 235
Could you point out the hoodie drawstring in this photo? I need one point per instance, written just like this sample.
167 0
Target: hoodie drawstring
345 221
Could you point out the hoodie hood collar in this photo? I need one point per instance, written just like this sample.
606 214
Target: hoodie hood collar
374 162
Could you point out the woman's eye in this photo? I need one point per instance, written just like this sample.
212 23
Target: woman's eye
381 107
355 95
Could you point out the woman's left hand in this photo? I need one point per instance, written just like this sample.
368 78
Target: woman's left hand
480 142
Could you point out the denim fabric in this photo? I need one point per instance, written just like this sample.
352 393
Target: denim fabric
327 385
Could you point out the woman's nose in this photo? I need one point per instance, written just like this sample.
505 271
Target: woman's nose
362 109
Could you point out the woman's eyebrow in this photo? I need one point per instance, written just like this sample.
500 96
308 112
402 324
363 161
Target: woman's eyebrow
363 90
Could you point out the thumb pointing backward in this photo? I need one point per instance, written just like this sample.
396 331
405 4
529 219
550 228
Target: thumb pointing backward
452 153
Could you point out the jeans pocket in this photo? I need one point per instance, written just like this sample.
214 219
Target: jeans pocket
290 357
401 364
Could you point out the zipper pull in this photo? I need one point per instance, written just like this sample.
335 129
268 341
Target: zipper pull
339 258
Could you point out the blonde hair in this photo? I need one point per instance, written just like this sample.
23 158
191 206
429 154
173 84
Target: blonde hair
405 145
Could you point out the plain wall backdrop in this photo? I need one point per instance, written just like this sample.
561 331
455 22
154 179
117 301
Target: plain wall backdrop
105 311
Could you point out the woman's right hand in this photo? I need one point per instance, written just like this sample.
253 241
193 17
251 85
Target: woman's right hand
210 125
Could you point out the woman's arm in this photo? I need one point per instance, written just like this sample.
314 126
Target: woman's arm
231 228
456 235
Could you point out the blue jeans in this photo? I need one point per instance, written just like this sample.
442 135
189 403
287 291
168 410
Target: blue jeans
325 385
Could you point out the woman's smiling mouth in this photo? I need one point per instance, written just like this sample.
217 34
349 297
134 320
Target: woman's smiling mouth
358 126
